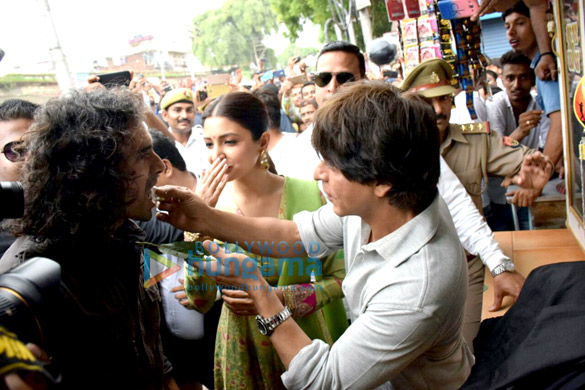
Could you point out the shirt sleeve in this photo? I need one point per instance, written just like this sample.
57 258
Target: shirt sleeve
504 160
321 231
496 117
474 233
377 346
550 96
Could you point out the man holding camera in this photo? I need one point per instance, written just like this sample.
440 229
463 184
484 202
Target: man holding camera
178 110
91 168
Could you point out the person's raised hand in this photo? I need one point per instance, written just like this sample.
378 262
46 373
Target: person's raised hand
212 182
93 83
286 87
535 172
489 6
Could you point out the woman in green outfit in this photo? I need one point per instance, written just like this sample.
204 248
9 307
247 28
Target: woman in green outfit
235 134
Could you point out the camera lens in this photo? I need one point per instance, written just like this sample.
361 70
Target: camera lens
26 295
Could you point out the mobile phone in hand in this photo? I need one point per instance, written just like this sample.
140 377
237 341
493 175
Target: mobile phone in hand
115 79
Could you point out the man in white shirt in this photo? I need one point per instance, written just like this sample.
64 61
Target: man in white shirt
514 114
178 110
338 63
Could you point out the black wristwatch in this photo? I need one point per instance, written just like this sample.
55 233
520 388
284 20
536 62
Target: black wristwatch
267 325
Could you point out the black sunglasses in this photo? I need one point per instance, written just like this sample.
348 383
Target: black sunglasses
11 151
324 78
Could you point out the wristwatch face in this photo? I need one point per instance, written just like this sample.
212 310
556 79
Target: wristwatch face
508 265
261 325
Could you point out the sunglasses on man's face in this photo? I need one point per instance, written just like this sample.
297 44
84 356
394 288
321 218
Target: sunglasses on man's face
11 151
323 79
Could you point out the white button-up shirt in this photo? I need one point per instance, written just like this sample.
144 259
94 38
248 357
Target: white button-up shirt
194 152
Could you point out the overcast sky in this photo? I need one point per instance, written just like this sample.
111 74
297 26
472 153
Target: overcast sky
92 29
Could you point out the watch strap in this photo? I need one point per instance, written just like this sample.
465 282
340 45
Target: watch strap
274 321
506 266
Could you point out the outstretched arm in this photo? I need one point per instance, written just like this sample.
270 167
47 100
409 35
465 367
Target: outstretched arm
188 212
476 236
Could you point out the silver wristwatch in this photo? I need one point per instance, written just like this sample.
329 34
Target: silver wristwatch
267 325
506 266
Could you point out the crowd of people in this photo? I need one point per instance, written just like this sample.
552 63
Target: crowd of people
376 189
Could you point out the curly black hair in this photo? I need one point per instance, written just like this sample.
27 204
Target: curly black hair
13 109
72 177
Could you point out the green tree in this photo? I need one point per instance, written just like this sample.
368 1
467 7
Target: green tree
294 12
233 34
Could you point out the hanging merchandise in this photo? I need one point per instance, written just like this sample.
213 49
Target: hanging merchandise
427 33
395 10
410 43
430 35
446 45
412 8
467 60
420 40
463 43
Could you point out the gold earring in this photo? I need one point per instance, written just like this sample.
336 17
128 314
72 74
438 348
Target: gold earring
264 163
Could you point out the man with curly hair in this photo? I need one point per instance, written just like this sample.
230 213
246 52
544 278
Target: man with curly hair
90 169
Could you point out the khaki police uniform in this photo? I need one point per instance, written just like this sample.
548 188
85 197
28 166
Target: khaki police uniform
473 153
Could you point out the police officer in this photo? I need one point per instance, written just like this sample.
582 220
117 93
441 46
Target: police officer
473 153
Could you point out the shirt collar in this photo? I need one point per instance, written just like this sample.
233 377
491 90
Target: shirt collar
404 242
196 133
